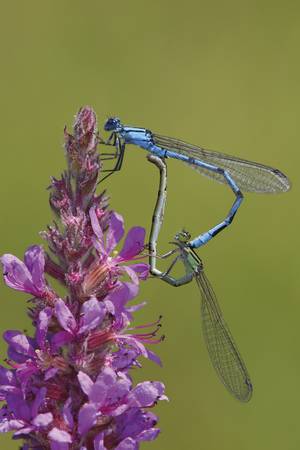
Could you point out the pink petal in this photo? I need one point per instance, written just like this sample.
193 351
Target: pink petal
50 373
134 343
98 442
67 414
11 425
153 357
127 444
134 243
86 382
17 275
141 269
19 342
92 312
135 308
97 230
64 316
144 395
38 401
115 231
61 338
34 259
86 417
122 293
25 430
59 445
42 328
42 420
108 376
58 435
106 380
149 435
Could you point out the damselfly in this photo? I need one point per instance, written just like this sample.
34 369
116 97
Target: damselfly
239 174
222 349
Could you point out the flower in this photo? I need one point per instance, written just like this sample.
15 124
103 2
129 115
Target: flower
22 416
27 276
68 387
106 269
112 394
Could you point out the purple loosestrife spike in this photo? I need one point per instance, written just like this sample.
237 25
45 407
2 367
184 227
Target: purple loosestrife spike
68 387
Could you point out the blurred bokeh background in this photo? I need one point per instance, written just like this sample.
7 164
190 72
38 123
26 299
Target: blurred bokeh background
224 75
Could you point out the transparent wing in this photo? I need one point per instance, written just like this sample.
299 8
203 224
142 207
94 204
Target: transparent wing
222 350
249 176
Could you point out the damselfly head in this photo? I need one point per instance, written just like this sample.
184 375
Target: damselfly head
183 236
112 124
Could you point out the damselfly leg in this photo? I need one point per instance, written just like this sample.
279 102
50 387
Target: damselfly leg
118 155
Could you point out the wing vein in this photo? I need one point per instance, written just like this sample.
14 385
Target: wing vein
221 347
250 176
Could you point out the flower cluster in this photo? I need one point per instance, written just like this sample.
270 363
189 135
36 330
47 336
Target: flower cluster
68 387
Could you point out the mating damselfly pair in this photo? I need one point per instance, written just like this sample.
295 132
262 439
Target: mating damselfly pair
240 175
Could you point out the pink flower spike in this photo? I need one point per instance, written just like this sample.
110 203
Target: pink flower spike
68 384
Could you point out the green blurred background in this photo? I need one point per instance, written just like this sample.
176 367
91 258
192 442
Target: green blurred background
224 75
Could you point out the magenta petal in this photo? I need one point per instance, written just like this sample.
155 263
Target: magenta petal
153 357
25 430
135 308
7 376
11 425
118 391
64 316
98 393
92 312
115 231
134 243
67 414
61 338
86 417
122 293
34 259
107 376
50 373
97 230
86 382
38 401
42 326
42 420
149 435
16 274
19 342
141 269
54 445
105 380
98 442
145 394
20 407
135 344
58 435
127 444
